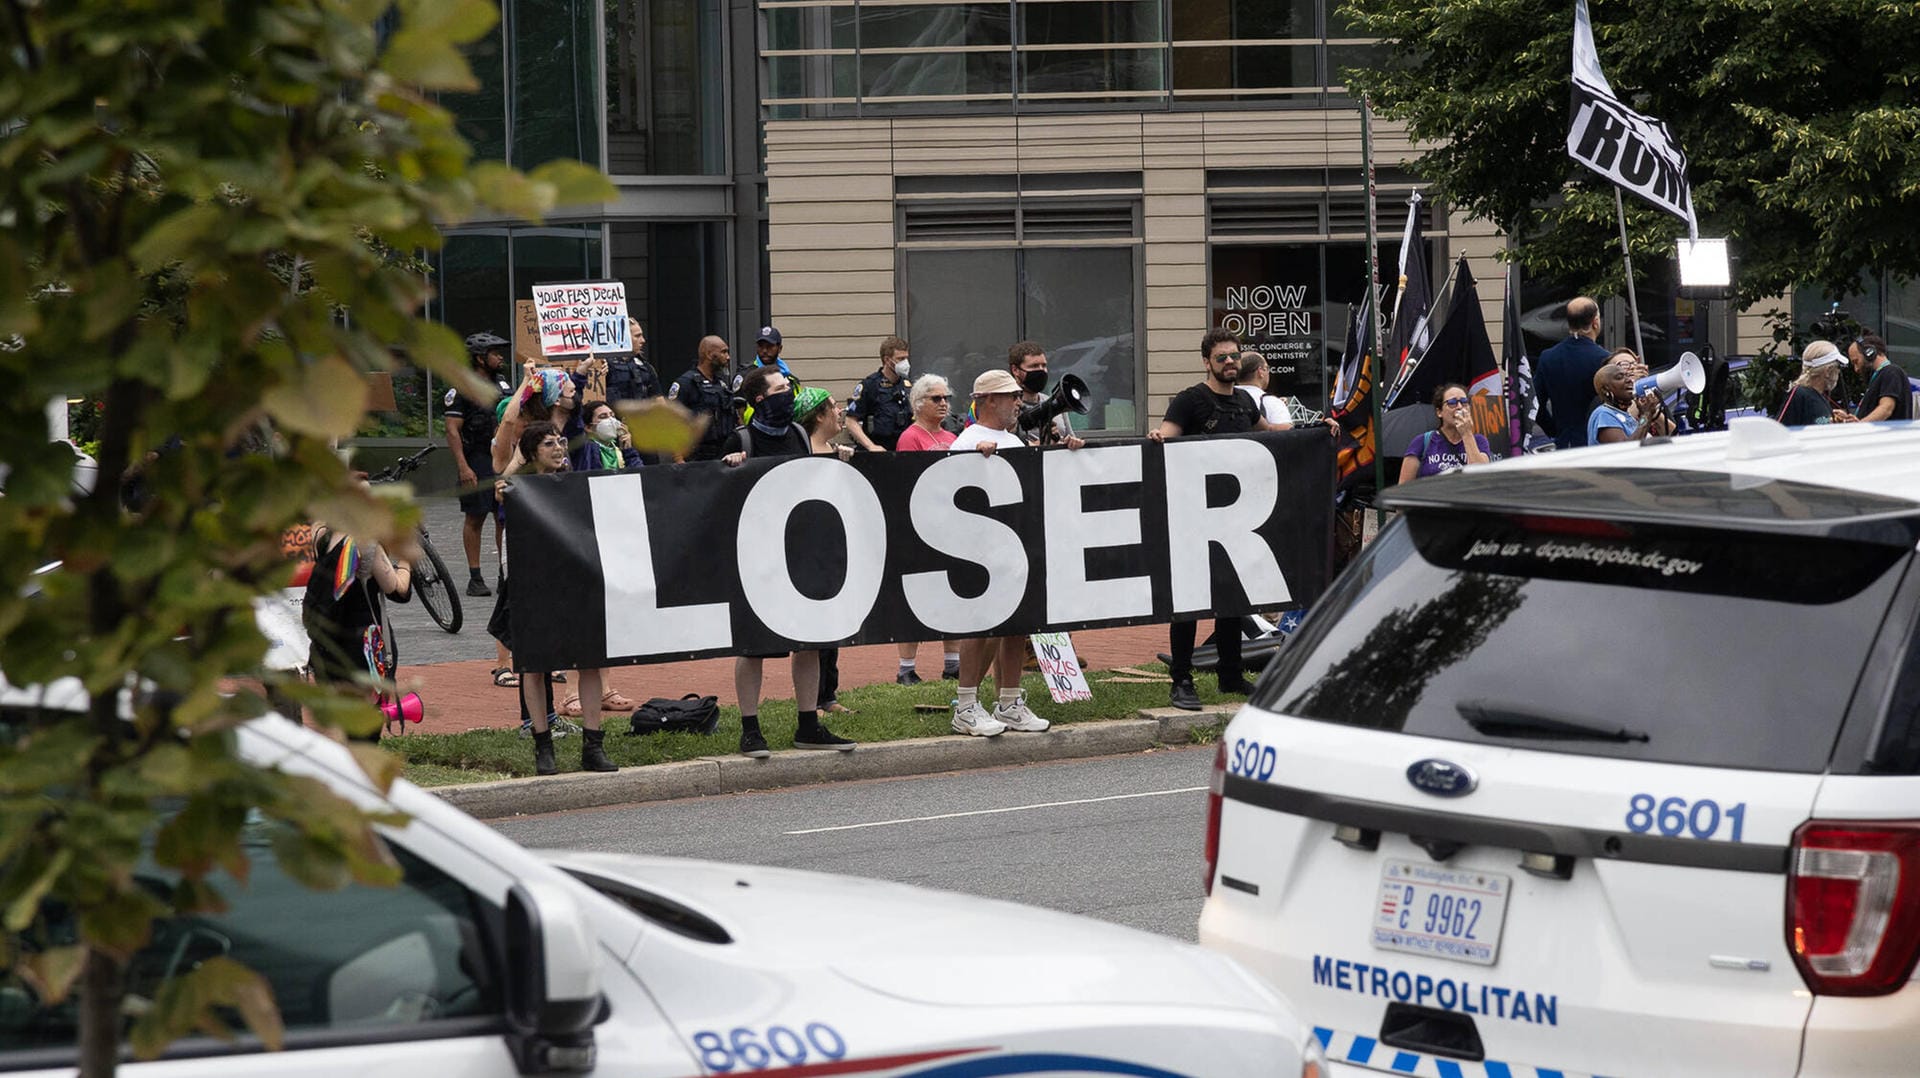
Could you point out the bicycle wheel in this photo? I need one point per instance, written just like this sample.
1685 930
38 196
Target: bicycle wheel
430 584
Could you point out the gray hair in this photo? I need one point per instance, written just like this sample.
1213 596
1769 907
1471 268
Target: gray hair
924 387
1822 377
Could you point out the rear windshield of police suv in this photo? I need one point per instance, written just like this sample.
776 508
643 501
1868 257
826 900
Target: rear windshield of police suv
1680 645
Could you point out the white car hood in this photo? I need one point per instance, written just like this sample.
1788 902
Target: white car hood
931 946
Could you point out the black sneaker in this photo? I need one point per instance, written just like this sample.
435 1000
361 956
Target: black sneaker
1238 686
951 671
754 745
477 586
907 677
1184 695
821 738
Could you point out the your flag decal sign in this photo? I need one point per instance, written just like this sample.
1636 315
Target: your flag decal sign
691 560
582 317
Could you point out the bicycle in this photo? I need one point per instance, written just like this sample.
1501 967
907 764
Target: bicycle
429 573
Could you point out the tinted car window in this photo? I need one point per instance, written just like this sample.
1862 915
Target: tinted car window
1688 645
356 958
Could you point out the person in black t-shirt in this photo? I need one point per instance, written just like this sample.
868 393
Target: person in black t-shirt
1213 406
773 433
1888 395
470 426
1810 397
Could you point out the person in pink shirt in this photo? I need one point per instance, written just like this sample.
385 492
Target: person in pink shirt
932 399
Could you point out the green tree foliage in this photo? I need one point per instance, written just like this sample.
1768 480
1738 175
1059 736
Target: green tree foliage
190 192
1800 121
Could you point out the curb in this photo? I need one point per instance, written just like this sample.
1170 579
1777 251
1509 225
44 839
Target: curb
710 775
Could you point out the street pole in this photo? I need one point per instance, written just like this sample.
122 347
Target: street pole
1380 381
1633 303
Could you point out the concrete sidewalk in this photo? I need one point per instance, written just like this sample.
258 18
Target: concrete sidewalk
461 695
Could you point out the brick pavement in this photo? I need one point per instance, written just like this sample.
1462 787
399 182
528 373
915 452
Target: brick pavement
461 695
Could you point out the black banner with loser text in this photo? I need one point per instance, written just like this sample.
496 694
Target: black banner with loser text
693 560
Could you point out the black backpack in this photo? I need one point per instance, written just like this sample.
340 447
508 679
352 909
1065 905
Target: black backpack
691 713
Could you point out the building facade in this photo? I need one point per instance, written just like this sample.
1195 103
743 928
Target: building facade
658 93
1109 178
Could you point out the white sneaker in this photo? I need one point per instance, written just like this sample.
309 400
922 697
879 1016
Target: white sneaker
973 719
1017 716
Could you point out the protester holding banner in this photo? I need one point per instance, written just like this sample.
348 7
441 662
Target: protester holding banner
608 446
1451 447
1566 371
1211 406
772 433
707 390
932 400
1252 380
996 408
824 419
1620 417
544 450
1027 363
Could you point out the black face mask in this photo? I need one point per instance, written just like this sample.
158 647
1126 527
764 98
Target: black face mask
1034 381
775 410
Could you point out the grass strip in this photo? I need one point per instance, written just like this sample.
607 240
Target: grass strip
883 712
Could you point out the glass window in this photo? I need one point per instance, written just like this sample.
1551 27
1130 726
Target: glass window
665 92
560 253
950 73
810 28
1092 71
1244 20
481 116
962 311
1461 627
1079 306
1292 304
924 26
675 273
473 291
1121 22
1245 67
555 68
811 76
356 958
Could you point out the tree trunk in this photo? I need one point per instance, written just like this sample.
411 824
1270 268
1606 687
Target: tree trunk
100 991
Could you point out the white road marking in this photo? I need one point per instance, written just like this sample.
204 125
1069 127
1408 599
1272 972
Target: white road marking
994 812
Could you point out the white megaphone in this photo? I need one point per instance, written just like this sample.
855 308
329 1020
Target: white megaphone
1689 372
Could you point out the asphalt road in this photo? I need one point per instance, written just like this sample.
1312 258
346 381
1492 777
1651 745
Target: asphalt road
1116 838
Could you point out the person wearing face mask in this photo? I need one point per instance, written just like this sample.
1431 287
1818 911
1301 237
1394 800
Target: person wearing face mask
879 410
608 446
1027 362
773 433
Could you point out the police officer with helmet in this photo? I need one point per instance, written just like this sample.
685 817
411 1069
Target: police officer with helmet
470 424
706 389
880 409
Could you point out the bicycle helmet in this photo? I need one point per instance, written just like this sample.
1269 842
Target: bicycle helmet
479 343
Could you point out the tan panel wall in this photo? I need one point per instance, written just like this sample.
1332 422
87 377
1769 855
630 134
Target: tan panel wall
1751 329
830 193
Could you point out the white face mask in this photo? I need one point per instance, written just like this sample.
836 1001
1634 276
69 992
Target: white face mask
607 429
903 369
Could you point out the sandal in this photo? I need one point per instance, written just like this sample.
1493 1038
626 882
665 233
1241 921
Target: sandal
612 700
571 708
504 677
838 708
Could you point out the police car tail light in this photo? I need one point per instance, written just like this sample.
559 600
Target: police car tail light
1853 917
1216 785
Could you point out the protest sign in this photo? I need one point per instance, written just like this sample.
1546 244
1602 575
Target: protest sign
1060 667
698 559
581 318
526 331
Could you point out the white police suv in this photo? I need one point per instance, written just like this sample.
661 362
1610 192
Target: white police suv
489 960
1600 762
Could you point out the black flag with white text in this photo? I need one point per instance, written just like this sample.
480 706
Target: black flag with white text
1633 150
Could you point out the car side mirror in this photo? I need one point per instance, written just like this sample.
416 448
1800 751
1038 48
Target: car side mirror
552 980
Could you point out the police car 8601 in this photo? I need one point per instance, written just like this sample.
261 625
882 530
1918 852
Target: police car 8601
489 960
1600 762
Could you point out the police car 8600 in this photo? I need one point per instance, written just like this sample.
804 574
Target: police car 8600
1600 762
487 960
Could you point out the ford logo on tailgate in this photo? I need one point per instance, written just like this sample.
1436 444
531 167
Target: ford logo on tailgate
1441 778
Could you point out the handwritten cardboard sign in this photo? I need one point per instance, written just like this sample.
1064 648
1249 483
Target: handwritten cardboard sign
526 331
1061 667
582 318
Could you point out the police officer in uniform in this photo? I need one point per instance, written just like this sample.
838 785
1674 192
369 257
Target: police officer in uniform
630 378
470 426
879 409
707 390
